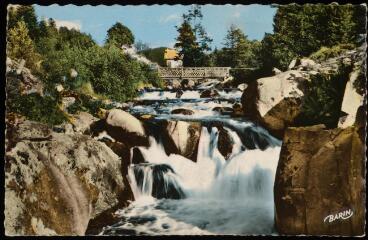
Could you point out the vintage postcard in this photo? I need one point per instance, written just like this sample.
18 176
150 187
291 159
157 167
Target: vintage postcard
195 119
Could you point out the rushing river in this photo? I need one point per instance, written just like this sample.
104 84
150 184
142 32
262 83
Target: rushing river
174 195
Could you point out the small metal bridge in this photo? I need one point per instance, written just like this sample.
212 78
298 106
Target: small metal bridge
194 72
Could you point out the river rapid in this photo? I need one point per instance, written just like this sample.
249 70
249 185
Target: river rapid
177 196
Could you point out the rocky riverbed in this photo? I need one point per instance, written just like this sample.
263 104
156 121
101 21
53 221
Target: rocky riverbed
198 158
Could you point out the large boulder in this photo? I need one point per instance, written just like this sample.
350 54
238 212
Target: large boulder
274 102
125 121
55 183
320 175
182 138
122 127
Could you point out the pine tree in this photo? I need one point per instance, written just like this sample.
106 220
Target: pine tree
195 51
21 46
238 50
186 42
27 14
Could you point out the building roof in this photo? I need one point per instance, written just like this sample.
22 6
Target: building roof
170 54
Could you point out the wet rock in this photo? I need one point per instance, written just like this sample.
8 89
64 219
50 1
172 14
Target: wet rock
179 93
181 138
56 186
227 83
223 110
320 172
242 86
209 93
237 110
137 156
225 143
182 111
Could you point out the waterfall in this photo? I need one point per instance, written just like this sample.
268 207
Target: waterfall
174 195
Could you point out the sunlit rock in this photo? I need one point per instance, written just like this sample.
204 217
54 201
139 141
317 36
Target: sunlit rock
57 185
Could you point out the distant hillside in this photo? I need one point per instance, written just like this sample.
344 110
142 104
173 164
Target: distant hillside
155 55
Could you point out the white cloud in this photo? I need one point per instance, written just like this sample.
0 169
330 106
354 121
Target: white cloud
76 24
170 18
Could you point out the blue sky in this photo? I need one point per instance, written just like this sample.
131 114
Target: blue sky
155 24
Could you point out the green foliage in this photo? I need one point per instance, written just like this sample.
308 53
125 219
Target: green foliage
324 52
87 104
300 30
111 72
25 13
37 108
238 51
193 41
187 43
323 98
21 46
155 55
360 83
119 35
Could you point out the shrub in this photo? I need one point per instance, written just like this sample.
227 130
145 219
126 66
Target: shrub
110 72
324 52
323 98
86 103
37 108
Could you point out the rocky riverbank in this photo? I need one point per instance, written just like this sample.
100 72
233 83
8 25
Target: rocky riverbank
321 170
69 179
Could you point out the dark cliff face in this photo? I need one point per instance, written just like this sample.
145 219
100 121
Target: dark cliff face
320 172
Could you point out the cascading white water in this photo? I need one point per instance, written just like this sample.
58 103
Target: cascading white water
233 196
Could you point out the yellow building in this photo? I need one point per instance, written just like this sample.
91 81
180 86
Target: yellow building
171 54
172 58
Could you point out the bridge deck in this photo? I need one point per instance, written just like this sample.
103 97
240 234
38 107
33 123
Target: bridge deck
193 72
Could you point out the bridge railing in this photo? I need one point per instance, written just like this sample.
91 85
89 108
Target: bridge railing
194 72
